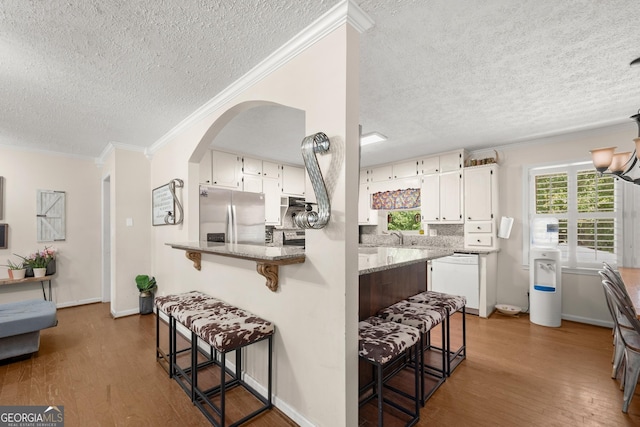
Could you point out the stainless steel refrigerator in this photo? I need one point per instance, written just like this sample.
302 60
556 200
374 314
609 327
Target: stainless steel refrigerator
231 216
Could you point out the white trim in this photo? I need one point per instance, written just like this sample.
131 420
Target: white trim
344 12
124 313
283 406
120 146
587 320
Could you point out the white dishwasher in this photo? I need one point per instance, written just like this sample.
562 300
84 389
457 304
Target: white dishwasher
457 274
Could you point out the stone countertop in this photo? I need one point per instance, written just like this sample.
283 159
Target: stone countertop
276 254
379 258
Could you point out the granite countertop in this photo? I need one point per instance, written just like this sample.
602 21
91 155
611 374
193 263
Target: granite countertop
379 258
244 251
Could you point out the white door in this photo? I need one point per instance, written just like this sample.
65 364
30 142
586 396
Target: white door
252 184
271 189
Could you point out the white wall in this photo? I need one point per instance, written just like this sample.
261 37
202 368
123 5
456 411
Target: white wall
582 295
78 262
129 173
315 309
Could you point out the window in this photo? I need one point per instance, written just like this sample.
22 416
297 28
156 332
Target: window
587 207
405 220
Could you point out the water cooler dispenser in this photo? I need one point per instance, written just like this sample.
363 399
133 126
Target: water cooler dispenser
545 274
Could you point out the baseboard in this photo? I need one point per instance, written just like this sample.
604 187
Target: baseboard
587 320
277 402
124 313
81 302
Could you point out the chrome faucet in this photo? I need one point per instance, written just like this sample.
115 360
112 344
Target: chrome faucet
400 236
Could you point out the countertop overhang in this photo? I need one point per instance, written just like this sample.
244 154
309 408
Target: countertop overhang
267 258
378 258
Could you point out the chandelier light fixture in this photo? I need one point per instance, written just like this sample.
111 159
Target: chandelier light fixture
608 162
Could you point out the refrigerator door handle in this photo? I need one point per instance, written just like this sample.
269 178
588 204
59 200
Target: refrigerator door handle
229 238
234 224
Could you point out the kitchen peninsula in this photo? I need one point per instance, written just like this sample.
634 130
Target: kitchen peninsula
267 258
391 274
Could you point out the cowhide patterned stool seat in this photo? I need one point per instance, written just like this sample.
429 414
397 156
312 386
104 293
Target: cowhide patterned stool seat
453 304
424 319
167 305
382 343
226 329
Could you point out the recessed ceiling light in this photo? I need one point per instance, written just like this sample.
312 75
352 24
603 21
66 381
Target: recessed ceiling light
372 137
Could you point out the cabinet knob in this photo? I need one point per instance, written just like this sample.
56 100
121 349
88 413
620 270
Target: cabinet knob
478 240
215 182
468 217
478 228
444 219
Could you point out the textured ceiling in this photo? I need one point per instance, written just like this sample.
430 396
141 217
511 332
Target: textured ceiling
435 75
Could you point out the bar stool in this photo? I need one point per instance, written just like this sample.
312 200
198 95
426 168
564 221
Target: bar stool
168 304
424 319
382 343
452 304
226 329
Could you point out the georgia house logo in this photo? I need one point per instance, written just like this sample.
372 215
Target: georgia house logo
31 416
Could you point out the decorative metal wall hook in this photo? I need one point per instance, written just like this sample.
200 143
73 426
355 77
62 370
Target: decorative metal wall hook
312 144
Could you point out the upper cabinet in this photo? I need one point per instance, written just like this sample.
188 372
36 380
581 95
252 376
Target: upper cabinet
451 162
405 169
225 170
293 180
480 193
441 197
382 173
429 165
251 166
205 168
270 170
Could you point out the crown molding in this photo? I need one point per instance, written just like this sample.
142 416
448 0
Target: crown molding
120 146
346 11
46 152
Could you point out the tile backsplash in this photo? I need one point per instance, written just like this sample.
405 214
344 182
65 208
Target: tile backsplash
446 236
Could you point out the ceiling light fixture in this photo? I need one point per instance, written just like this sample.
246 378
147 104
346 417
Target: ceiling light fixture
608 162
371 138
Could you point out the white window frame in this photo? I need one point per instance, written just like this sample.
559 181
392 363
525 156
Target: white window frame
528 211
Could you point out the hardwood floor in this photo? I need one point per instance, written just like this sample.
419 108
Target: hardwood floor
104 373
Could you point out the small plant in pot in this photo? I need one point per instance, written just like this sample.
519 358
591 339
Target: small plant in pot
147 286
16 271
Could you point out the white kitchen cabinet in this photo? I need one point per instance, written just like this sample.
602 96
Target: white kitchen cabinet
429 165
293 180
251 166
480 188
405 169
225 170
451 197
430 198
205 168
271 190
382 173
481 207
270 170
441 198
366 176
452 162
366 215
252 183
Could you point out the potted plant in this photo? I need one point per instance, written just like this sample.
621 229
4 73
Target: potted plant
44 261
146 285
16 271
